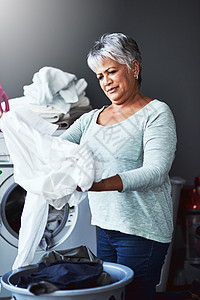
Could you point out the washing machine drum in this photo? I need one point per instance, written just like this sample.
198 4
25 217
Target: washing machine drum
59 224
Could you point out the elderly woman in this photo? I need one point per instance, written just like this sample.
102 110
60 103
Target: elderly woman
135 139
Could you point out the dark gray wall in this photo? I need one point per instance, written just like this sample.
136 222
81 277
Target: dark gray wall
59 33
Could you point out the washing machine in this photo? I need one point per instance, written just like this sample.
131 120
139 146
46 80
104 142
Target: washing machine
69 227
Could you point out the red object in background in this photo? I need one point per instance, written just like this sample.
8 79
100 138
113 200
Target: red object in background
189 220
197 181
190 196
192 202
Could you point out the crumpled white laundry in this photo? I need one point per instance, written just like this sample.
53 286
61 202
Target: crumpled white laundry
33 222
54 87
48 168
49 113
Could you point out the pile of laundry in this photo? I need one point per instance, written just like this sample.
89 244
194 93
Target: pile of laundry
48 168
57 96
70 269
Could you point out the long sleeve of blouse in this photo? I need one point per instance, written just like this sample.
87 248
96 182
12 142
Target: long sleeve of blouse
159 146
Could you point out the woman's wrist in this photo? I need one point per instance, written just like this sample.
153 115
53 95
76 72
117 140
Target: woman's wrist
113 183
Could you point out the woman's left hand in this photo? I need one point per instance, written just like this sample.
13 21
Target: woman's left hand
96 186
113 183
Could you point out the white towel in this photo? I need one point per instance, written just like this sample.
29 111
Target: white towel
54 87
48 168
48 113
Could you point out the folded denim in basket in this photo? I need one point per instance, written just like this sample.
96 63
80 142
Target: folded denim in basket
63 275
74 268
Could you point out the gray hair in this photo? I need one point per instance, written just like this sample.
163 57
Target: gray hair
116 46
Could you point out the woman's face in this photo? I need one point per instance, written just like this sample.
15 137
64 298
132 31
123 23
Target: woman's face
117 81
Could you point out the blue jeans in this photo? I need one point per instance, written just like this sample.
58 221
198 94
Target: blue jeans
144 256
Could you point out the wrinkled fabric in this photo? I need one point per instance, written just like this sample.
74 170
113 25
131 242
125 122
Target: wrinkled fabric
77 254
49 169
33 223
52 86
63 276
46 165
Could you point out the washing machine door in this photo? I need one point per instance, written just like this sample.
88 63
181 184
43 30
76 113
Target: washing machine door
59 226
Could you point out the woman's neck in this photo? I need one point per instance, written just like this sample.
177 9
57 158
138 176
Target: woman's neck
131 105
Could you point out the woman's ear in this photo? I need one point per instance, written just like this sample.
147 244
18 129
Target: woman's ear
135 67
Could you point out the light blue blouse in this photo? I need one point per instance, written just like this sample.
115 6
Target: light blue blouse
141 150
